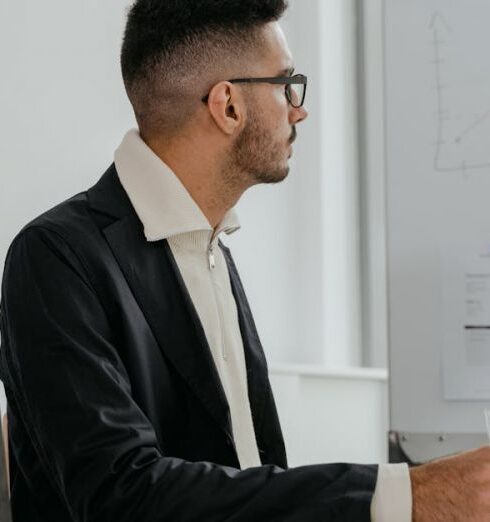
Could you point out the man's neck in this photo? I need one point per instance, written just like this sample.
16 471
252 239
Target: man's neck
208 189
214 187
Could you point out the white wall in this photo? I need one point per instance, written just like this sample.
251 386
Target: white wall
62 103
372 182
332 416
307 292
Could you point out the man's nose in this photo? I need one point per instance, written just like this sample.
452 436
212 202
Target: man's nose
299 114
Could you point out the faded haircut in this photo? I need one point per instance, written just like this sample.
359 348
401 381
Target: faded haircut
174 51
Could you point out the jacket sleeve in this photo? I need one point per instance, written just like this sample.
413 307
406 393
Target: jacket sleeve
98 447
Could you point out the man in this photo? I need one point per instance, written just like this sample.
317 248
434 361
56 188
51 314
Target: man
137 387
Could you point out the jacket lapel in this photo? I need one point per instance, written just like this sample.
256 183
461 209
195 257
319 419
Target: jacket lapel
257 374
150 271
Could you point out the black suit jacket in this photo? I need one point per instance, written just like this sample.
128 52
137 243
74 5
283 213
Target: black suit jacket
116 411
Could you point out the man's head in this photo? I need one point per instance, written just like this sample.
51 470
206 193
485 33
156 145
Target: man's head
177 51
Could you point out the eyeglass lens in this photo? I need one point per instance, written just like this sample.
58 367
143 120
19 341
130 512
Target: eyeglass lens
296 92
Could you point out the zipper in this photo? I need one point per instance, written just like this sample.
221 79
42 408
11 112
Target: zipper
211 259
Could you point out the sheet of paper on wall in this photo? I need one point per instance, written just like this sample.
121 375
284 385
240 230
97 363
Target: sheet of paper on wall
466 321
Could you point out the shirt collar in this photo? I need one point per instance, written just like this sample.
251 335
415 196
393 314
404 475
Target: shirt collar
160 200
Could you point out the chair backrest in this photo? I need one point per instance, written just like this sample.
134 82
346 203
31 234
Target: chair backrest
5 514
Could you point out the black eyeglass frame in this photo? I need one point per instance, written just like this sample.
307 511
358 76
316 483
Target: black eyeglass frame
297 79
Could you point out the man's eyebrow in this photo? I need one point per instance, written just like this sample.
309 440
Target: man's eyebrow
286 72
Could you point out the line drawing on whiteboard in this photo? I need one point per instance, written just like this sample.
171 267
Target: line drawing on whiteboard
463 128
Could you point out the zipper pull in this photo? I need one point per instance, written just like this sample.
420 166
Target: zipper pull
212 262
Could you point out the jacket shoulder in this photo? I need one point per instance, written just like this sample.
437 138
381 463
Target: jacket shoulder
63 215
69 220
76 219
87 212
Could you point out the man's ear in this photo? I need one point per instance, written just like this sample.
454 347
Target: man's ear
226 107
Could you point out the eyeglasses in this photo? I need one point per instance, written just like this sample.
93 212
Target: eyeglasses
295 87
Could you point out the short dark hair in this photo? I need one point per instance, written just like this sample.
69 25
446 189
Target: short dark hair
173 48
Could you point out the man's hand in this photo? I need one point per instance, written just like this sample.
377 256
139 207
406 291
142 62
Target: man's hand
453 489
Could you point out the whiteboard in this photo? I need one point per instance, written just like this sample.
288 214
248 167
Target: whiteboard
437 146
